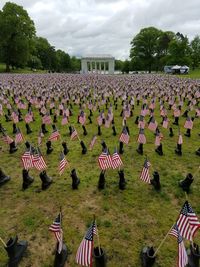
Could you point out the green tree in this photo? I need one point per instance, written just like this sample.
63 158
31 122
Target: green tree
195 52
16 35
75 64
126 66
144 46
46 53
63 61
118 64
179 51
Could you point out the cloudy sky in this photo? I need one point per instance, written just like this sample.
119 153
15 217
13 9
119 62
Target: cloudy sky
83 27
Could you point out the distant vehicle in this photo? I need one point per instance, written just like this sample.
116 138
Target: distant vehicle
176 69
168 69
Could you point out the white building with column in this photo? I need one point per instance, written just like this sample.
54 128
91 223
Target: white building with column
100 64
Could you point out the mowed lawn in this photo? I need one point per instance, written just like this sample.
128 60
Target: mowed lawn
127 220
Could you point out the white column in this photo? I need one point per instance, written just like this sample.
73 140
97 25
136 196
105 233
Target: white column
100 67
84 68
95 64
104 67
111 67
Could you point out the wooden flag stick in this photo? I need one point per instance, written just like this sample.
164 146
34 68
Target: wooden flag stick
186 196
162 242
3 242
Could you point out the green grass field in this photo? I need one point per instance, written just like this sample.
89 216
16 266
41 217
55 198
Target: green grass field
127 220
25 70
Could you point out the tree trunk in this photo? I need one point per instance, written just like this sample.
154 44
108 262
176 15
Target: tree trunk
7 67
149 68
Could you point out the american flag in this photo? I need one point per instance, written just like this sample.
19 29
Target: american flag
165 123
82 118
157 139
27 159
57 230
144 176
74 134
19 136
40 135
188 123
124 137
85 250
15 117
64 120
55 135
116 160
153 124
180 139
141 123
182 254
92 142
46 119
177 112
8 140
141 137
63 163
38 161
100 120
107 122
187 222
105 160
28 118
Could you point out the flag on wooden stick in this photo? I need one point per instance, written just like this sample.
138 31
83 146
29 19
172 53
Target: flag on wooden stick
63 163
182 254
187 222
144 176
124 137
57 230
85 250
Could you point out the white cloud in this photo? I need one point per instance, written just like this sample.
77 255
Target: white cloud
107 26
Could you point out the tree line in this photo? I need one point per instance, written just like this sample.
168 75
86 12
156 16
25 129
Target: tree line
151 49
20 46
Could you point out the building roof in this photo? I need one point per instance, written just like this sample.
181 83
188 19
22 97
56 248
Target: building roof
98 56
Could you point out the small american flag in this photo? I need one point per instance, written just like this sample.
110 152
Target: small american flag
165 123
15 117
124 137
100 119
105 160
28 118
182 254
116 160
27 159
188 123
92 142
82 118
57 230
153 124
177 112
40 135
144 176
46 119
84 252
180 139
74 134
8 140
63 163
141 137
19 136
38 161
188 222
64 120
55 135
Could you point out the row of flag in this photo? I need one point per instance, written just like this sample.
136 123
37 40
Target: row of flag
185 227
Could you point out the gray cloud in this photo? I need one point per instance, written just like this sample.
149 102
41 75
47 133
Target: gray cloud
107 26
